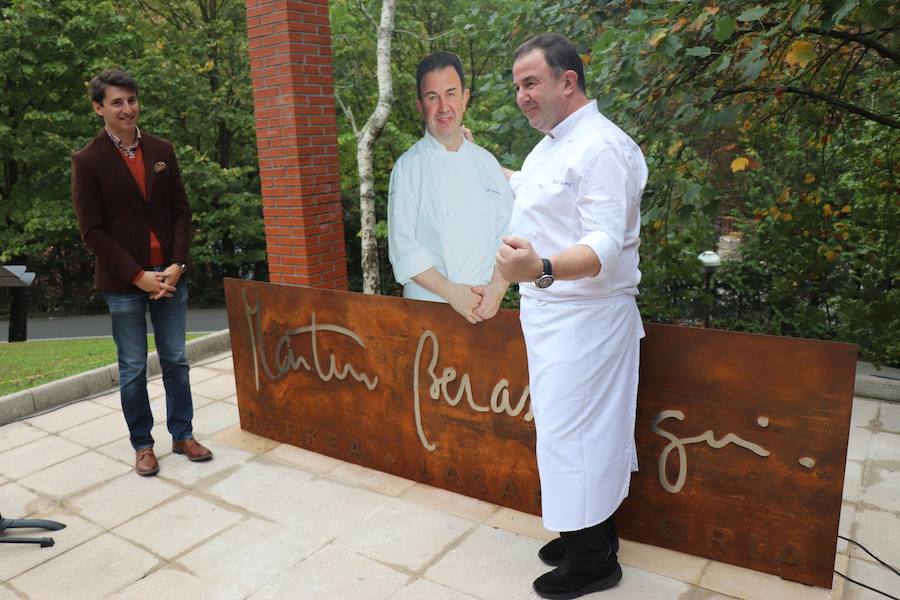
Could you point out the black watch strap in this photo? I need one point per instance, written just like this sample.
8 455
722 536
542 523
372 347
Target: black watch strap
548 266
545 279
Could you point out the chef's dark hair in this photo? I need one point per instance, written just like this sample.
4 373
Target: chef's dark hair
560 54
435 62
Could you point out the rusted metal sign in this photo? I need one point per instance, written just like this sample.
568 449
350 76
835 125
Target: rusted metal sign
741 438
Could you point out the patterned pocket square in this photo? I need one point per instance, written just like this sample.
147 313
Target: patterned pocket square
160 166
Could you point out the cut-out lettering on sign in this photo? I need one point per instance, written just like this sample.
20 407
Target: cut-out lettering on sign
741 438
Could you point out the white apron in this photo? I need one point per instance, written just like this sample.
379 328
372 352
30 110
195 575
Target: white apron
583 372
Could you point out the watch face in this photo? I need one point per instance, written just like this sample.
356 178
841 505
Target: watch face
544 281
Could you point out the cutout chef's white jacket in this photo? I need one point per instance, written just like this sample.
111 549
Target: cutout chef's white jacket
446 210
582 184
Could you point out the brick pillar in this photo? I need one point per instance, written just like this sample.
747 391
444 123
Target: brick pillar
296 133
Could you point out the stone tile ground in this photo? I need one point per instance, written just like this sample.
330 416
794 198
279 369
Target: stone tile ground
267 520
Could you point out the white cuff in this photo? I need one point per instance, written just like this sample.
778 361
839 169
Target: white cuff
409 266
606 250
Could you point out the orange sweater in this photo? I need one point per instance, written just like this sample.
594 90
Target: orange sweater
136 166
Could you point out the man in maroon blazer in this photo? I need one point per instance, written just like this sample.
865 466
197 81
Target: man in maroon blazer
135 218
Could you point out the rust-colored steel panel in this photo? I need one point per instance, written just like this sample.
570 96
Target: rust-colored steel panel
742 442
405 387
741 438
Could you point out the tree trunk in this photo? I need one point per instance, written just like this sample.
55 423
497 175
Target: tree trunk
223 144
365 144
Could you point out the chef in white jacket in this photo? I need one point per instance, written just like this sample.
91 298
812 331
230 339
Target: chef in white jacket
574 249
449 203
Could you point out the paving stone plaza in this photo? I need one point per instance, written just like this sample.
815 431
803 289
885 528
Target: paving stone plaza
269 520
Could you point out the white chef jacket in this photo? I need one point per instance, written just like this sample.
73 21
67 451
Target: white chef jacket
446 210
582 184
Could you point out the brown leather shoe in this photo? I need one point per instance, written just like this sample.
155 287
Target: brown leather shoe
145 462
194 450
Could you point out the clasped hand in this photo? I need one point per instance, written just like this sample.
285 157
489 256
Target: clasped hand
160 284
476 303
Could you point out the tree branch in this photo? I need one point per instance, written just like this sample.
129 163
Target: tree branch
883 119
365 11
168 11
831 100
849 68
424 38
347 112
859 39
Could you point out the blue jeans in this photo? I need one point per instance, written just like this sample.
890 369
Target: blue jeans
129 325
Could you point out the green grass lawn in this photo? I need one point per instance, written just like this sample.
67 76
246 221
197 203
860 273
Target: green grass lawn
25 365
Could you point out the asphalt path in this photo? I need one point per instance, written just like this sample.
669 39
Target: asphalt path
199 320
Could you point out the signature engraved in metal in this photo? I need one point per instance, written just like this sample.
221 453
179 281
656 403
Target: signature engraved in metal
438 389
676 443
284 355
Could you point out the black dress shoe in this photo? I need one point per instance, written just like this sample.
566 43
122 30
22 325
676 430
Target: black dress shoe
553 552
563 584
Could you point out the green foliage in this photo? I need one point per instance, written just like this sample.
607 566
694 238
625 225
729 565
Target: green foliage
195 74
191 63
483 37
776 123
47 50
733 104
773 122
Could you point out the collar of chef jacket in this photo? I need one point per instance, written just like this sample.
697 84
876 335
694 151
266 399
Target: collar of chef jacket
571 122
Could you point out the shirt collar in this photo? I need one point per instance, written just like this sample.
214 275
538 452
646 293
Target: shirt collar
571 122
117 141
435 144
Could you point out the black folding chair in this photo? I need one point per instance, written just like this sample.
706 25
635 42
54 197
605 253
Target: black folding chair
45 542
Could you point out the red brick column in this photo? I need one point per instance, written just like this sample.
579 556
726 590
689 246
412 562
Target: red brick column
296 132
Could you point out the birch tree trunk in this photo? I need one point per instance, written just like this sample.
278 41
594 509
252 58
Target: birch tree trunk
365 144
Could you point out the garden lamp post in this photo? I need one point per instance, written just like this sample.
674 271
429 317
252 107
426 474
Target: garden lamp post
709 262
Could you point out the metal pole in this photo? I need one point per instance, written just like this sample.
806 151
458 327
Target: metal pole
18 315
707 273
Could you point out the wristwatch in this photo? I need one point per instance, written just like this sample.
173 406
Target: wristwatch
545 279
183 267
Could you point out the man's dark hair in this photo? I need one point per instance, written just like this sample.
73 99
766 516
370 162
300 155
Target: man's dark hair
559 52
435 62
116 77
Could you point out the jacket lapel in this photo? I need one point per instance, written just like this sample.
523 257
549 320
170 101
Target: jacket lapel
111 154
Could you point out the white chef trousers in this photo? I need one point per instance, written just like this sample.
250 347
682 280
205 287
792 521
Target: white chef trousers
583 360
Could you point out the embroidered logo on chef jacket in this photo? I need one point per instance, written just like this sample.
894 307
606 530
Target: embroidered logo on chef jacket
491 190
561 182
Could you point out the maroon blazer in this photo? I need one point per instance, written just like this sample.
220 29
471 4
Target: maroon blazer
114 218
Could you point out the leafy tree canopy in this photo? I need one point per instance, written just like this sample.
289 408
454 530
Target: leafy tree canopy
774 125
